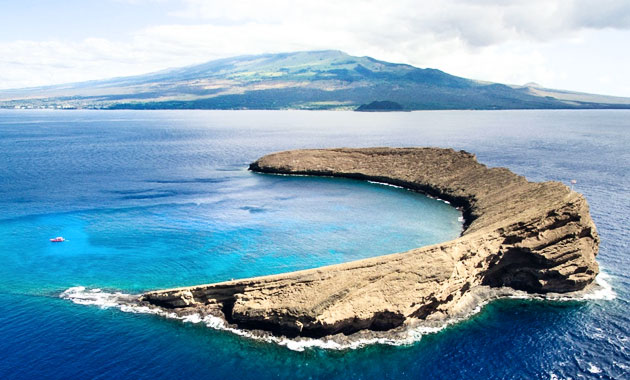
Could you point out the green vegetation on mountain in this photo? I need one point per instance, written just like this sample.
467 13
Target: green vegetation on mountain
302 80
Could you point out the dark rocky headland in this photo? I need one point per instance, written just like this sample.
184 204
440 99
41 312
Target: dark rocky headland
380 106
519 236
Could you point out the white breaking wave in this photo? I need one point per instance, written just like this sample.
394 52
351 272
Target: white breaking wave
604 291
387 184
601 290
592 368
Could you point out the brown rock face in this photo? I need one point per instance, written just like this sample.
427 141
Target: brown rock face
535 237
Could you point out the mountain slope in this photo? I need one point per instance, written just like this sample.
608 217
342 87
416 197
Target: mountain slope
303 80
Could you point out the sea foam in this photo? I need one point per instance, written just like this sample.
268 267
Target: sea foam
600 290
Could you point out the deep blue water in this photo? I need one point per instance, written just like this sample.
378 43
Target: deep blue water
151 199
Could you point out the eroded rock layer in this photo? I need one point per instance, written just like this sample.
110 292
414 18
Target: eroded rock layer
535 237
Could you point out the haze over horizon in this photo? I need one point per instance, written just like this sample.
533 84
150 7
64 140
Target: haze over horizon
574 45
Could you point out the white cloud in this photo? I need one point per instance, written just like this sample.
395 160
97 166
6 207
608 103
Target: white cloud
512 41
476 22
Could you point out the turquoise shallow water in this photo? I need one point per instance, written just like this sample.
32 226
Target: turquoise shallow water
158 199
271 224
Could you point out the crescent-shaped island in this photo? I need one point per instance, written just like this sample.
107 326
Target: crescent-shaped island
519 237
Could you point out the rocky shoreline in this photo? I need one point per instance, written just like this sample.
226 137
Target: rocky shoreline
519 238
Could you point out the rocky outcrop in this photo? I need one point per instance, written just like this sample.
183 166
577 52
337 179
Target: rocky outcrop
380 106
533 237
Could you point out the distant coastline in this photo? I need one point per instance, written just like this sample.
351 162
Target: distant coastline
312 80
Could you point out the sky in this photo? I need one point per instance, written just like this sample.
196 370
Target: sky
580 45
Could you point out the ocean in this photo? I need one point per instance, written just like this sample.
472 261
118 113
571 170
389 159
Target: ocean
156 199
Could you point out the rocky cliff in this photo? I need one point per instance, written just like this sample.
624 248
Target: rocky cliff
533 237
